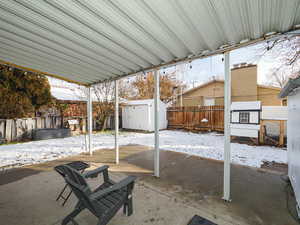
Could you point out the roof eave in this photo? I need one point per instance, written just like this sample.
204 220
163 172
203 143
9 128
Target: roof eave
292 32
289 87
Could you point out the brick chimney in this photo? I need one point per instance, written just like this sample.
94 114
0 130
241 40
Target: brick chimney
244 82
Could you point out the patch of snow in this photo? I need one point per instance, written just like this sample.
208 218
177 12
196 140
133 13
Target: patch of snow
210 145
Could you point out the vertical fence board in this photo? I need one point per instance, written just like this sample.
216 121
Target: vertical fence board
47 122
30 126
13 130
38 122
19 129
8 130
2 128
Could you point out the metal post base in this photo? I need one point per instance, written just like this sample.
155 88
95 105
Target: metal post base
226 200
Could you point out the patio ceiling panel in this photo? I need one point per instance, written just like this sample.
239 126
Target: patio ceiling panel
61 18
144 17
19 56
78 66
138 53
124 24
39 23
90 41
57 43
63 53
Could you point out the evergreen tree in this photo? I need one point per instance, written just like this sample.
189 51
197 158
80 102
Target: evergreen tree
22 93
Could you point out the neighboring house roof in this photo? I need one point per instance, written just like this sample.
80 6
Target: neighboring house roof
203 85
270 87
66 94
222 81
289 87
70 94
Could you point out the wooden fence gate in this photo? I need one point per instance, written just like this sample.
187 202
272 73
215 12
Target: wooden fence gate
201 118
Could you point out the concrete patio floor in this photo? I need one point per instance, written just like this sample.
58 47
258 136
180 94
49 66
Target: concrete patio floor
188 185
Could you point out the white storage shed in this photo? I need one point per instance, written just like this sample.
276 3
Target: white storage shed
292 90
139 115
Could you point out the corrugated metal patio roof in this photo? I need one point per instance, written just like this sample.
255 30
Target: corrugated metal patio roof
90 41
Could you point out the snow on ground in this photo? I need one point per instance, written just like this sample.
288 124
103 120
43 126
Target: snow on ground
208 145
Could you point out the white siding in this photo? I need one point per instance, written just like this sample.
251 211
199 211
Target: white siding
135 117
249 105
274 113
244 130
244 133
293 135
140 115
235 117
254 118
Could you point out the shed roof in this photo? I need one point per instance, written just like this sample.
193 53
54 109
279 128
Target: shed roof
90 41
139 102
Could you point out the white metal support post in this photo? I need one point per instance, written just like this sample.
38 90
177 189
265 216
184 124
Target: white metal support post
156 122
86 123
117 121
90 119
227 147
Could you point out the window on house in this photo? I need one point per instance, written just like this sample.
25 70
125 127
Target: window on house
209 101
244 117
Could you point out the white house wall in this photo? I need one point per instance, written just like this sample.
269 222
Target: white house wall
293 141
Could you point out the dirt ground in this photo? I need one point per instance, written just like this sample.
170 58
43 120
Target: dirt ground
188 185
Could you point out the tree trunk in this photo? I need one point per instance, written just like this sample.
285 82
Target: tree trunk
104 123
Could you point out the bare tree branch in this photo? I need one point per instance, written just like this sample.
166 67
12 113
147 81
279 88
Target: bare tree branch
286 55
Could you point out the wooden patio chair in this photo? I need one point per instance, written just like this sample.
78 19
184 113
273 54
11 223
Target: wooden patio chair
105 201
77 165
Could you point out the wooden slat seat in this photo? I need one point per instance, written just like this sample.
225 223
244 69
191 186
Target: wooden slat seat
105 201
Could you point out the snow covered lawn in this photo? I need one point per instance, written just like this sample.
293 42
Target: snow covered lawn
205 145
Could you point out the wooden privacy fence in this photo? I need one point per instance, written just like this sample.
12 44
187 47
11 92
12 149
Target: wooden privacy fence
18 129
204 118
